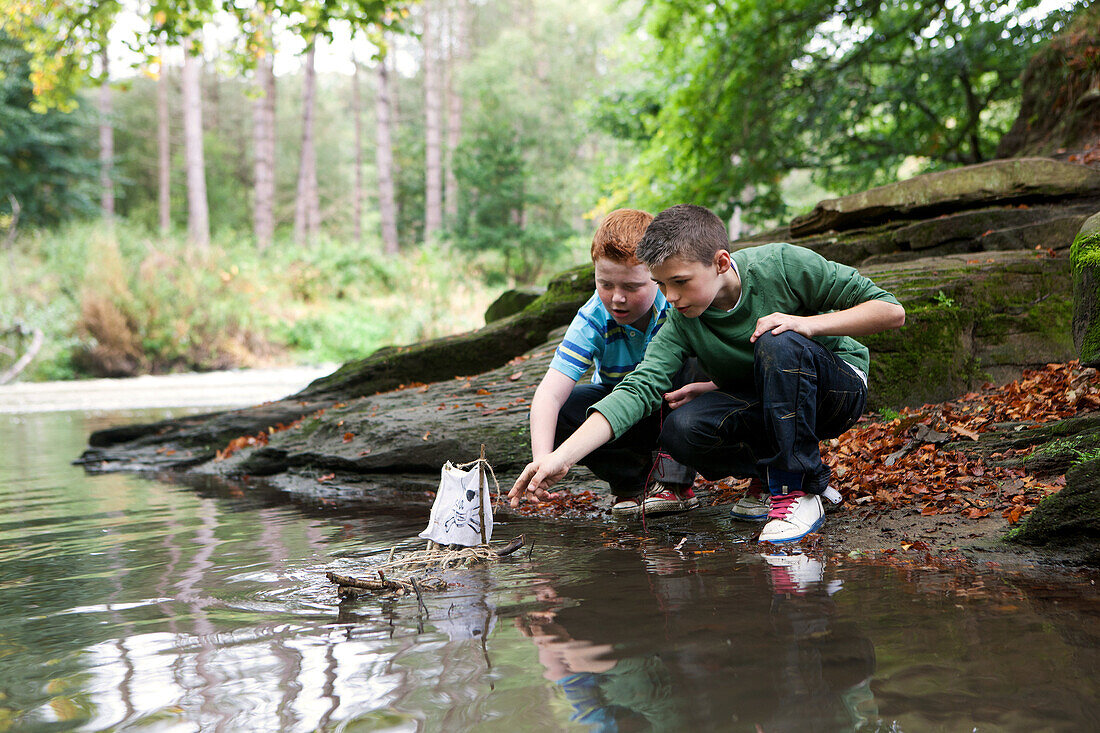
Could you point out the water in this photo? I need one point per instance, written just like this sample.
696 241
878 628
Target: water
128 603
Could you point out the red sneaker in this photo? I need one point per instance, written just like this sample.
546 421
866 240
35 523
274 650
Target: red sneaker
668 499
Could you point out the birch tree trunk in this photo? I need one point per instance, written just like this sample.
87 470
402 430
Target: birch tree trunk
263 140
106 142
357 120
387 199
454 107
306 206
433 171
164 149
198 213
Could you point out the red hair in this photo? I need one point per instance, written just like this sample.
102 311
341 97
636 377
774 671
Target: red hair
618 235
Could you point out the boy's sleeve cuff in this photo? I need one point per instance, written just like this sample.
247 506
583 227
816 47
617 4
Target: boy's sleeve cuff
610 414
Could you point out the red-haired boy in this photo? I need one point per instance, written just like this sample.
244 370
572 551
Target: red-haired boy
609 335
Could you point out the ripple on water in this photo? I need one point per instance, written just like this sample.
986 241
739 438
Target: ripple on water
127 602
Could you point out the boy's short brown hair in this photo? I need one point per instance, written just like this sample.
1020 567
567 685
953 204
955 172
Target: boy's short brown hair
693 233
618 235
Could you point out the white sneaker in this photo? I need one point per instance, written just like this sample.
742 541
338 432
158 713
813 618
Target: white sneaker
792 517
754 505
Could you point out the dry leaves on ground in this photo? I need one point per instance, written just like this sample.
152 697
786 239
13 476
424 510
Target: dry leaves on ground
900 463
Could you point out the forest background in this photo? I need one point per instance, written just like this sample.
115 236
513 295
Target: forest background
212 184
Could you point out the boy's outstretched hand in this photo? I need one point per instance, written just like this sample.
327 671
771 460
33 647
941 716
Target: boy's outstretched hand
687 393
538 476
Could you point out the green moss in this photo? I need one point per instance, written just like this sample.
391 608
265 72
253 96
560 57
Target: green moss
1074 448
1085 251
932 339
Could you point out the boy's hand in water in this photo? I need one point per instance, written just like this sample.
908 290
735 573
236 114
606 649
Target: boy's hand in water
537 477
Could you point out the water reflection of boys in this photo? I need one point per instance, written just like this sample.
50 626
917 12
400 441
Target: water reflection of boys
708 653
823 670
606 694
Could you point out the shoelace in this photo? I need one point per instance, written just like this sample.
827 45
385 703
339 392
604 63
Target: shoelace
781 505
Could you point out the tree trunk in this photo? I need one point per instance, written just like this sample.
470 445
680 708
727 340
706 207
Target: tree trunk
106 142
306 206
433 171
164 147
387 200
357 119
198 214
263 130
454 107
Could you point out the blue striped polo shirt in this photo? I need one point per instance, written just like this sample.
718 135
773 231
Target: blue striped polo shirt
595 339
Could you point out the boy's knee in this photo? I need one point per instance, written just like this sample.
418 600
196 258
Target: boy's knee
769 341
771 350
681 430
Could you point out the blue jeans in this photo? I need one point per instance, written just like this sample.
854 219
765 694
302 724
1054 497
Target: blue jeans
626 462
802 393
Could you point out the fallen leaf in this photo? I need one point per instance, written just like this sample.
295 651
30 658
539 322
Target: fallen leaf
958 430
515 376
326 477
348 437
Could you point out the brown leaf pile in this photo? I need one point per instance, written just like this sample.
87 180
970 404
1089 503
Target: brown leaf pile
564 504
899 463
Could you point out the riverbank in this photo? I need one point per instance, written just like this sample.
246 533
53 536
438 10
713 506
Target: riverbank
228 389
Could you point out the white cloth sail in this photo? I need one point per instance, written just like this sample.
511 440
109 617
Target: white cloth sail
457 513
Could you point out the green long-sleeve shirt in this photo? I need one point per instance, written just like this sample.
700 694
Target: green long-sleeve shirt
775 278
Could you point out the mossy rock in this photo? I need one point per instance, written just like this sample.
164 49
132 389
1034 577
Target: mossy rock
1070 518
1023 180
1085 257
968 321
511 302
465 354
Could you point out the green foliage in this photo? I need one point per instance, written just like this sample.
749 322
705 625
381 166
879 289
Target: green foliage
734 94
496 198
523 166
1075 448
888 415
944 300
64 37
43 162
122 299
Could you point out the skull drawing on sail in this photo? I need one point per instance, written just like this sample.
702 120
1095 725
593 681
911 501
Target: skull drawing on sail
457 513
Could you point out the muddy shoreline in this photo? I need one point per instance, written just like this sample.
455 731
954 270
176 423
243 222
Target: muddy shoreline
901 536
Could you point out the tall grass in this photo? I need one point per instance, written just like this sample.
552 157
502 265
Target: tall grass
120 300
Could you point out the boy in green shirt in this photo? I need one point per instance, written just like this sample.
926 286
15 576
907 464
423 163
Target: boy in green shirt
772 326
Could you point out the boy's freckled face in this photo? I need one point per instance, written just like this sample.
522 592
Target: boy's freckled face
690 286
626 291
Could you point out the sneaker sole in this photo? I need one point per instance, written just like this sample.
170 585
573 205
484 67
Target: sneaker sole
632 513
653 509
816 526
748 517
